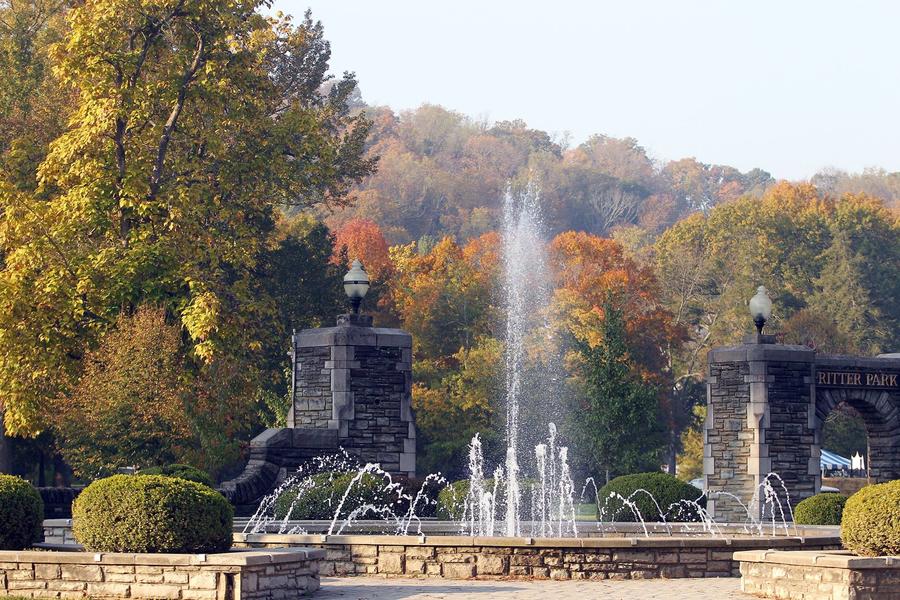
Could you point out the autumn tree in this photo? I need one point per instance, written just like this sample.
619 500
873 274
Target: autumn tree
443 296
818 330
456 404
33 107
191 124
132 405
362 239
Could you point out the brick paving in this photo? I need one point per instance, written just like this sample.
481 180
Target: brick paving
372 588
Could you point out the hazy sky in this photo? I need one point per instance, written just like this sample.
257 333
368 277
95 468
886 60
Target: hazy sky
789 86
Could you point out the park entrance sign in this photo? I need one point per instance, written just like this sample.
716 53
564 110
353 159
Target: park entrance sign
767 403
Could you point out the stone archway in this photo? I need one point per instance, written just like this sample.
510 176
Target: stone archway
879 410
766 406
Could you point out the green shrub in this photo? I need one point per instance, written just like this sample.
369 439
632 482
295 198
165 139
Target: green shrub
870 525
451 500
21 513
180 471
669 491
151 513
821 509
318 496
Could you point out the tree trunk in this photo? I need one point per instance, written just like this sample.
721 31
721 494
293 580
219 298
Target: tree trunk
5 450
672 454
42 475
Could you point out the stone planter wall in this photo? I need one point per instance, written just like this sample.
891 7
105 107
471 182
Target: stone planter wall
255 575
58 532
457 557
819 575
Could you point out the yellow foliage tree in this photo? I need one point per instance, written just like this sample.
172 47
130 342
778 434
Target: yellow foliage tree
192 122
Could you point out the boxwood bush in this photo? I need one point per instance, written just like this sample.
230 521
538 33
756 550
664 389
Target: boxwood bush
821 509
669 492
870 525
21 513
151 513
318 496
182 472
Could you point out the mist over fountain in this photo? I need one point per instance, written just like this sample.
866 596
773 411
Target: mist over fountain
528 289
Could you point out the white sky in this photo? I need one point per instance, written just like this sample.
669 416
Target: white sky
789 86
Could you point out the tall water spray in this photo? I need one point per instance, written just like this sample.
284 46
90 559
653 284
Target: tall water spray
528 290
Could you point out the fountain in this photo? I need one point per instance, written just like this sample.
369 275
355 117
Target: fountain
532 493
528 289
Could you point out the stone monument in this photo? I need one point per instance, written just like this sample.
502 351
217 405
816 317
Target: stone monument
351 389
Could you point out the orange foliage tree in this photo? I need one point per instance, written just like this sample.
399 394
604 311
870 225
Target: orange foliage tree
443 298
362 239
590 269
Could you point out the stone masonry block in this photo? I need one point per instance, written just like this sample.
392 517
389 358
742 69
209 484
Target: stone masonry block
458 570
391 563
82 572
157 591
407 462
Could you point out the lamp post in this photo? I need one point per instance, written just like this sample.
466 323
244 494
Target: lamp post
761 308
356 284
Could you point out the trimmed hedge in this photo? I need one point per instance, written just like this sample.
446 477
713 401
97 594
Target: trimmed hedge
870 525
668 490
152 513
186 472
21 513
318 496
821 509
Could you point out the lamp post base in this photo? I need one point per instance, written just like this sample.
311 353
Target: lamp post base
354 319
758 338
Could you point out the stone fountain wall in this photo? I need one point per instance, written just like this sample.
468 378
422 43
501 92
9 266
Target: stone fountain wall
464 557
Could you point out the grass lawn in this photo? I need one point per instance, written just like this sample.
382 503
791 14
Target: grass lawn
586 512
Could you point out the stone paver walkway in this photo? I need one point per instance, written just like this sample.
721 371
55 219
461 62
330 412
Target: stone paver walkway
371 588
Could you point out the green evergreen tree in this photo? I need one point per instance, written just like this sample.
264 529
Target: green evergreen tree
843 292
617 424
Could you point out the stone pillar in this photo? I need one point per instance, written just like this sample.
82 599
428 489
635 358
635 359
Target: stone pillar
760 419
357 379
351 389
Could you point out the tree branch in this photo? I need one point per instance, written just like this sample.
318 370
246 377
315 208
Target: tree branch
186 78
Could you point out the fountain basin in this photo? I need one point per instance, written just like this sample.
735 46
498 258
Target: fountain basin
625 556
619 551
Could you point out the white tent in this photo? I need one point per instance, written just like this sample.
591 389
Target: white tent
829 461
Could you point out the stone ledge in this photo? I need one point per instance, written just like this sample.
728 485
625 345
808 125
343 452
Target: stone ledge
659 541
234 558
245 575
818 575
839 559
